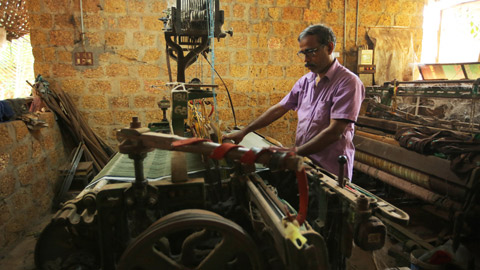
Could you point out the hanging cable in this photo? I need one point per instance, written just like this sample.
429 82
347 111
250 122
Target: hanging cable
226 88
211 37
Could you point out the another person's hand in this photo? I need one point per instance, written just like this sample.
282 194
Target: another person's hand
236 136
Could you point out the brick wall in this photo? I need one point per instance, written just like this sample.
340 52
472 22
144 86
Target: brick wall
29 162
258 63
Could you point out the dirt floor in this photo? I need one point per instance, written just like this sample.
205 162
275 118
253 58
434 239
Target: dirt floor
21 255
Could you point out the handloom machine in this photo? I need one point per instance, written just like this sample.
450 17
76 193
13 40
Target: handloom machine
178 201
434 160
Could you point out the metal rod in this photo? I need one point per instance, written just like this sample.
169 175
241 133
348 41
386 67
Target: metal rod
356 26
81 22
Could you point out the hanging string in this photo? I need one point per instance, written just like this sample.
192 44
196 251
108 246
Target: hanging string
211 33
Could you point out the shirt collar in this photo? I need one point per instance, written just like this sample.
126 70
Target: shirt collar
331 70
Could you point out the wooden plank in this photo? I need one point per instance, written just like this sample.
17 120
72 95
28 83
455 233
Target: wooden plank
432 165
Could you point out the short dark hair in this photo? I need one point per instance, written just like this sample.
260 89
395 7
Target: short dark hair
323 33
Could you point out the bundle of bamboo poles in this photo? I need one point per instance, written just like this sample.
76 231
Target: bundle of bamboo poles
95 149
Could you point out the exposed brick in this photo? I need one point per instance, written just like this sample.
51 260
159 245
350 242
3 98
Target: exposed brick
292 13
238 11
402 20
7 185
61 37
128 54
115 6
261 57
240 27
257 13
36 149
38 37
243 86
115 38
40 167
57 6
49 54
124 117
20 155
262 27
283 56
275 43
115 70
129 87
41 21
299 3
152 23
154 54
62 21
153 115
310 15
281 28
94 102
4 212
241 56
148 71
89 6
25 175
94 39
274 13
77 85
35 5
156 87
4 160
295 71
258 71
21 130
65 57
275 71
93 72
136 6
143 39
129 22
145 102
159 6
63 70
102 118
93 21
119 102
99 87
48 142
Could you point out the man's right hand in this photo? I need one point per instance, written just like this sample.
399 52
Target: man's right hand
236 136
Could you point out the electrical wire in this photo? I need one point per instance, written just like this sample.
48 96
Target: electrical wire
228 92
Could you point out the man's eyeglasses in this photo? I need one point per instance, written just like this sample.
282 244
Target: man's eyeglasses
308 52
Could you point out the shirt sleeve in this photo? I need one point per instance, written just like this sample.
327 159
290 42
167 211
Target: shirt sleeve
348 100
290 101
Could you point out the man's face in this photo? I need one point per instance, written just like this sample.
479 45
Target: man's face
317 57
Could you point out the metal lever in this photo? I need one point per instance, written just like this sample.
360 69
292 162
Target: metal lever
342 159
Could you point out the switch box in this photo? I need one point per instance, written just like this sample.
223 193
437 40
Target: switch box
83 58
365 62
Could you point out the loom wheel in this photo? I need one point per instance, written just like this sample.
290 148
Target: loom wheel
191 239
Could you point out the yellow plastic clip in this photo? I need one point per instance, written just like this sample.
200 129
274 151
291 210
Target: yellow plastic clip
292 233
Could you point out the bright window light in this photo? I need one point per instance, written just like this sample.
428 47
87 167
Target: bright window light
451 31
16 67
